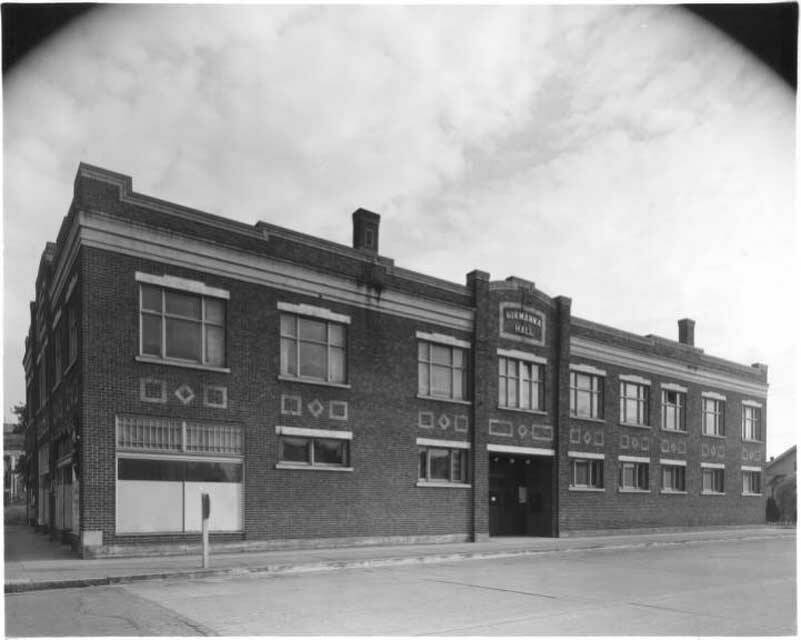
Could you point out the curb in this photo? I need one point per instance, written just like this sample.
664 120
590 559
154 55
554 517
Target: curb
336 565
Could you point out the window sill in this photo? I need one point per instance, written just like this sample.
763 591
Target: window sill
310 467
712 435
587 489
631 490
633 425
588 419
712 493
752 495
536 412
142 534
443 485
441 399
185 365
671 492
321 383
677 432
749 441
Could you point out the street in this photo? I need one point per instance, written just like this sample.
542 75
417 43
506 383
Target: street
712 588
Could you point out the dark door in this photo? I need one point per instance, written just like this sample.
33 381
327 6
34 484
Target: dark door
508 497
520 495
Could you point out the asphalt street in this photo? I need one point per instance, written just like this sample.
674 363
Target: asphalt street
716 588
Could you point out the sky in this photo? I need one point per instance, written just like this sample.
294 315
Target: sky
632 158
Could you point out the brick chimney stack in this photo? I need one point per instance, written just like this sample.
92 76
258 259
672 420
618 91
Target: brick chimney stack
365 230
687 332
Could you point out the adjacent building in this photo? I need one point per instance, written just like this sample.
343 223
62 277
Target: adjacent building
322 394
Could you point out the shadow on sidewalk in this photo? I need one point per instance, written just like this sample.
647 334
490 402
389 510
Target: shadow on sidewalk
24 543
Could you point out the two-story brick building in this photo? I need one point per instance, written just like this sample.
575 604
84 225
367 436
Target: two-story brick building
323 395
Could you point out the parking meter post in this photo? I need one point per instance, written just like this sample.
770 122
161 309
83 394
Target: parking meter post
206 512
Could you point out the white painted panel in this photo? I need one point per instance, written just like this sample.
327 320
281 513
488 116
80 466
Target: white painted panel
144 505
226 505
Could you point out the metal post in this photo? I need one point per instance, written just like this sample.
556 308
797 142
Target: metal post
206 512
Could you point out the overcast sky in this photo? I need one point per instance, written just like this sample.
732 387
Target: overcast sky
633 159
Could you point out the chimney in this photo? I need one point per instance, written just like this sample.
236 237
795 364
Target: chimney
365 230
687 331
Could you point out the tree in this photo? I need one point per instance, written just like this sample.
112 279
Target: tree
772 513
786 498
21 411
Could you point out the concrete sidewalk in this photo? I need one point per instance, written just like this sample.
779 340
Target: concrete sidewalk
34 563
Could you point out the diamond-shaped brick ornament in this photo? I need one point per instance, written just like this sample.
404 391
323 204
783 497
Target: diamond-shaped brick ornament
444 422
185 394
316 407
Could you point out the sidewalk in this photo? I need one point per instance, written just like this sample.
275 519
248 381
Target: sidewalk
34 563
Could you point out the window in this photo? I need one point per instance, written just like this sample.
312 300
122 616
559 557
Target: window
634 403
313 349
521 384
440 464
585 395
752 423
182 326
586 474
58 364
72 323
313 451
42 381
752 483
673 410
634 476
711 480
673 478
441 371
713 416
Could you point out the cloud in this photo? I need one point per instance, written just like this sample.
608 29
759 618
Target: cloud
629 157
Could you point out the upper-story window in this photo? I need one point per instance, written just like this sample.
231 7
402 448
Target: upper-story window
752 422
521 384
586 399
72 337
43 381
176 325
713 416
674 407
441 370
313 348
58 345
634 402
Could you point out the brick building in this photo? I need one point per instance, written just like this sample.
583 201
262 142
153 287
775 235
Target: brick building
323 395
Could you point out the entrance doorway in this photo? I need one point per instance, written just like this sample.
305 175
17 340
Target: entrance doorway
520 495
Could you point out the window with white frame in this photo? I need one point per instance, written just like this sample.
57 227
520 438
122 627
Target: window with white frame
712 480
713 416
586 399
674 478
442 464
634 403
752 482
313 348
521 384
181 326
674 405
586 473
634 476
752 422
441 370
317 451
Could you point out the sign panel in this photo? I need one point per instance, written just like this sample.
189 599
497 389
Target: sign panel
522 323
